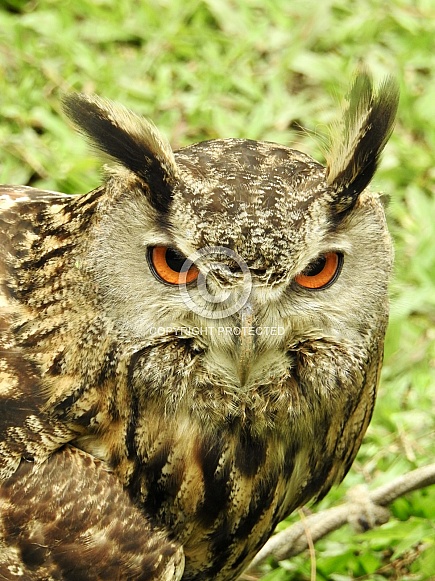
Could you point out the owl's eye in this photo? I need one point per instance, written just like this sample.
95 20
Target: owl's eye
167 265
321 272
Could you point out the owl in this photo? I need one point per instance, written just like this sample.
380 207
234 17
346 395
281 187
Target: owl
189 352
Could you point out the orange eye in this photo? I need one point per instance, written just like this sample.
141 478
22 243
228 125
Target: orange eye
170 266
321 272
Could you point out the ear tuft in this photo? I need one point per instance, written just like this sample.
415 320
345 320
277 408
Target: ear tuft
128 139
359 138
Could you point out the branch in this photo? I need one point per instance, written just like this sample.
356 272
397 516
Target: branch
364 510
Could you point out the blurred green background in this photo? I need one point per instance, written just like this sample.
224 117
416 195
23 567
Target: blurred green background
261 69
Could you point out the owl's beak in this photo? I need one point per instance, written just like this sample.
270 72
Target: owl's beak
246 341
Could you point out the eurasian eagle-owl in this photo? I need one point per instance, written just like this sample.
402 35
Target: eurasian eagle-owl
190 351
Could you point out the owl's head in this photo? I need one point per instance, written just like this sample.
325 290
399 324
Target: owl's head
244 270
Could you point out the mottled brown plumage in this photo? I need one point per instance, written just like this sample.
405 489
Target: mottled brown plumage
149 430
69 518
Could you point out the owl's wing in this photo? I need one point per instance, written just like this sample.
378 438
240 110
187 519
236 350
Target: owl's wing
21 390
69 518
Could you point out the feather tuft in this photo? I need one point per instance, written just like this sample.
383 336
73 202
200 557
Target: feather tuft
128 139
359 138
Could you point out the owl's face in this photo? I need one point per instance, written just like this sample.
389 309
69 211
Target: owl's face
249 284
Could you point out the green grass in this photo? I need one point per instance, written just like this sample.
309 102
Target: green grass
261 69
